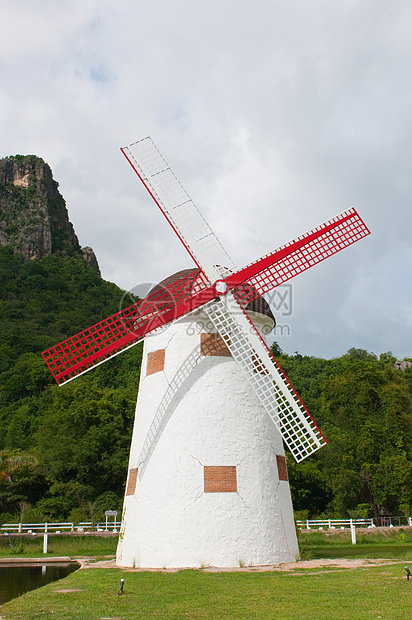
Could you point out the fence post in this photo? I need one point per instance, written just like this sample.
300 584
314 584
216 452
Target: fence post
45 528
353 533
19 528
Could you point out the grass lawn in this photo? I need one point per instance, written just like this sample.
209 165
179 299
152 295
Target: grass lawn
391 543
58 545
363 593
301 594
395 552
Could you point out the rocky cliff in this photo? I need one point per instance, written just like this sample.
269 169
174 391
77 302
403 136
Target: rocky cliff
33 216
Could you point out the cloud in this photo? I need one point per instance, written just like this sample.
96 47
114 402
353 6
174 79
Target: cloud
275 116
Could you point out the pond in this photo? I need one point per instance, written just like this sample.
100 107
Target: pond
18 579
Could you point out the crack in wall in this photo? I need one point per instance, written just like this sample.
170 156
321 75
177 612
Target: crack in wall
278 483
194 500
199 495
191 357
248 506
203 493
196 459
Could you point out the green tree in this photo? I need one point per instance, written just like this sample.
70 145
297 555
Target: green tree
10 461
368 423
83 439
43 302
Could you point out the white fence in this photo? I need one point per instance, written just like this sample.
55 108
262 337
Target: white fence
88 526
331 524
34 528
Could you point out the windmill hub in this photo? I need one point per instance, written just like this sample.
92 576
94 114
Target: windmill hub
221 288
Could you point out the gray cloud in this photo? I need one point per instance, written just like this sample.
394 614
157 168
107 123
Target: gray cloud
275 116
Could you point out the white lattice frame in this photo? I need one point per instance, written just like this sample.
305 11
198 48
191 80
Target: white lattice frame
281 402
179 209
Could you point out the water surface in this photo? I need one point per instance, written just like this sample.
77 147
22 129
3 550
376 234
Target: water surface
16 580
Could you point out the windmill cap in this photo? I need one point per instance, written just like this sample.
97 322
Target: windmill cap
257 306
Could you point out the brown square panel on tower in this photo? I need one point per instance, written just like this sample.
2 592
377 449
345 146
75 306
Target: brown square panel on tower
282 468
155 361
220 479
131 483
213 344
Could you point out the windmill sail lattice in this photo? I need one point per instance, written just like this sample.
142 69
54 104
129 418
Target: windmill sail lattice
276 394
179 209
221 291
126 328
295 257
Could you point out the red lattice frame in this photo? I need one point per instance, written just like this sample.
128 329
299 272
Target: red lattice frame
124 329
292 259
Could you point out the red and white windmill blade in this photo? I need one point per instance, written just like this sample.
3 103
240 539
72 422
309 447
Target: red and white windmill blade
222 291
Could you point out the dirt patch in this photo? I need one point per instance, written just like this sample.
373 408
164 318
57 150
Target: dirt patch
309 564
293 566
92 563
336 563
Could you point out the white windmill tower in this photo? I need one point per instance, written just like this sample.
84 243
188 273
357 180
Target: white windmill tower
207 480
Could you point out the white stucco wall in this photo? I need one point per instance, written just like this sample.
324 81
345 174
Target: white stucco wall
199 411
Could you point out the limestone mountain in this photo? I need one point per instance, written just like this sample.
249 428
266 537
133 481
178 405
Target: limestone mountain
34 220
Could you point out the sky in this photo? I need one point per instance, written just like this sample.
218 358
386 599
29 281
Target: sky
274 115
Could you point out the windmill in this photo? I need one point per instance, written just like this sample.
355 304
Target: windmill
207 480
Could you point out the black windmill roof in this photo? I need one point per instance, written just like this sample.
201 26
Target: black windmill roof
258 305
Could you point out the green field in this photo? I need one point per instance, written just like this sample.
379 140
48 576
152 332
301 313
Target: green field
58 545
390 543
300 594
364 593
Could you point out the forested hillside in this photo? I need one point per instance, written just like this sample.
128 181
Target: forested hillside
78 434
64 451
363 406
